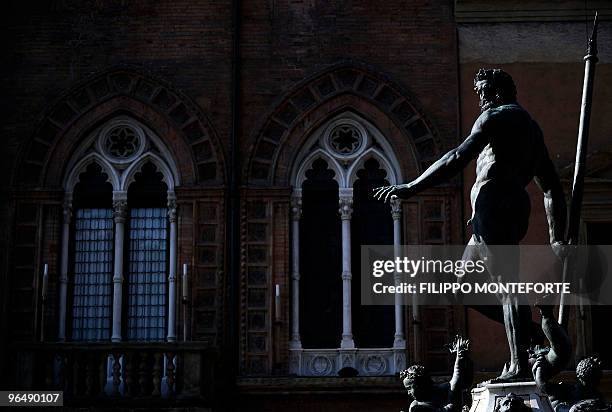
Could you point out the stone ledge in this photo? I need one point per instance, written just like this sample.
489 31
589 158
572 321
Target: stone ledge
265 385
482 11
319 385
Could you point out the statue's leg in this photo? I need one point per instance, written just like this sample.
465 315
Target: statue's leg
504 263
500 221
517 320
473 252
496 314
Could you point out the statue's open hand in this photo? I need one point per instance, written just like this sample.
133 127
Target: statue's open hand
386 193
460 345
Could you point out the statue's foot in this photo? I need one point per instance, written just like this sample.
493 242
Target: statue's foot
514 373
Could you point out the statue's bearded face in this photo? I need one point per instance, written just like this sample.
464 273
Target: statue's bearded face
486 93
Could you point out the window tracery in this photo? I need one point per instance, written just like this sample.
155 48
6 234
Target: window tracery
353 155
125 234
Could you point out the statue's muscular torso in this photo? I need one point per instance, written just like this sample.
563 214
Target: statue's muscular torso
505 166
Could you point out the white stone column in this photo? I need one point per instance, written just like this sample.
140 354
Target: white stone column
63 278
346 210
119 214
396 212
296 214
172 217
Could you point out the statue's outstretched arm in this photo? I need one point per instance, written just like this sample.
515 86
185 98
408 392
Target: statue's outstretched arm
547 179
463 373
463 370
444 168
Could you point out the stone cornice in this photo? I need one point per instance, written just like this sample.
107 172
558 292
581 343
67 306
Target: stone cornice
485 11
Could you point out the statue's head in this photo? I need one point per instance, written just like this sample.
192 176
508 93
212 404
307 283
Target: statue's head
591 405
588 371
512 403
417 382
494 87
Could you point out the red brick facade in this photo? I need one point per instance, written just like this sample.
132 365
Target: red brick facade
398 64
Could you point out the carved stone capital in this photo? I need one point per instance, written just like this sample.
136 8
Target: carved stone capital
396 208
296 207
67 213
67 207
119 210
172 209
346 207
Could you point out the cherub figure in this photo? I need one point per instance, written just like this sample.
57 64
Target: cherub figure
591 405
564 396
437 397
548 361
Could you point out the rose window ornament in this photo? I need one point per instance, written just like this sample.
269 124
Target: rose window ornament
345 139
122 142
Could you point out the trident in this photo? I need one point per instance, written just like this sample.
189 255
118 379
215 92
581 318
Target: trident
573 229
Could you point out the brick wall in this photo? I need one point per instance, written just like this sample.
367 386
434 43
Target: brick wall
285 41
183 49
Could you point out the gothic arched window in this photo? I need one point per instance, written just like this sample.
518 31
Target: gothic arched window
118 274
333 214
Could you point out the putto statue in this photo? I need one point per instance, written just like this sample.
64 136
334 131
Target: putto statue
427 396
548 361
582 395
510 152
591 405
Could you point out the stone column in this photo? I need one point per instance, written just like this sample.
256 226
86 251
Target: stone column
346 210
119 214
396 212
172 212
296 214
63 278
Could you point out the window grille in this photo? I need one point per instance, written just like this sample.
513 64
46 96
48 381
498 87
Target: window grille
147 274
93 257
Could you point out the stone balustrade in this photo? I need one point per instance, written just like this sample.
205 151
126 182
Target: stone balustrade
117 371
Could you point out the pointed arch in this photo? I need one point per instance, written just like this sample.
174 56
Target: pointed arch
72 177
345 86
141 94
300 173
169 177
382 158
